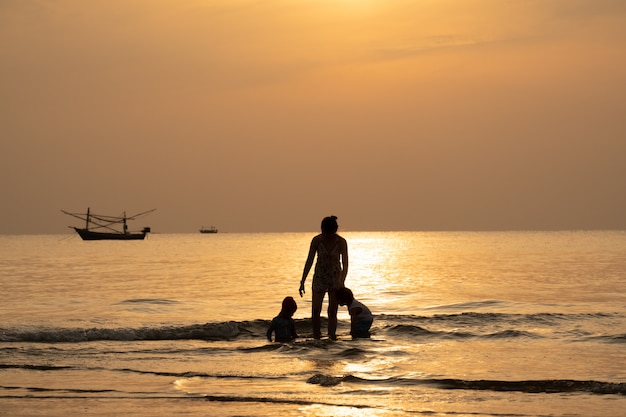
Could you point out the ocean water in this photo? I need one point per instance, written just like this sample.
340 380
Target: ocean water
466 324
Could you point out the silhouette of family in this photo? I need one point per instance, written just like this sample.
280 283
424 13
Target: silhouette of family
329 276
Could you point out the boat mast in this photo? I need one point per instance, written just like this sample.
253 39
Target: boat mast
125 227
87 220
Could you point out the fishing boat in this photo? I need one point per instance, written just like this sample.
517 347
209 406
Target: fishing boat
99 227
211 229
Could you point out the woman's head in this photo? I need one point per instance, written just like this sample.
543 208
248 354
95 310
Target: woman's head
329 225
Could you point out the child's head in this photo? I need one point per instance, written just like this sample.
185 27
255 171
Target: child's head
289 307
344 296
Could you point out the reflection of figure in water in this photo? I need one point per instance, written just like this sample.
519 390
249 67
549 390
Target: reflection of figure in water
283 324
360 316
330 273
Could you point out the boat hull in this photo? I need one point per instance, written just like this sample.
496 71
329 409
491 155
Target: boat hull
91 235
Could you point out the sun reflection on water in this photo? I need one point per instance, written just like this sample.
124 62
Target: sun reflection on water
383 268
343 411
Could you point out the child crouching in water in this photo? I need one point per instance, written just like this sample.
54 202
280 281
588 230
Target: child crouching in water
283 325
361 317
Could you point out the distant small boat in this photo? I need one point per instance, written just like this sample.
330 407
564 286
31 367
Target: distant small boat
99 227
211 229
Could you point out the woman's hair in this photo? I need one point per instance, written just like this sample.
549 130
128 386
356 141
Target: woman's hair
329 224
344 295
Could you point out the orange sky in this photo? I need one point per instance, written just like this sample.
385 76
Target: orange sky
263 116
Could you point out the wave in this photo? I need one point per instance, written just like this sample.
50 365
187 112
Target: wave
547 386
208 331
529 386
450 326
157 301
614 338
474 318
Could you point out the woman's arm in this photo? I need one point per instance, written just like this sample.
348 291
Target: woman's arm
344 260
308 264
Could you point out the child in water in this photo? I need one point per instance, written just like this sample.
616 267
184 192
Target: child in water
361 317
283 325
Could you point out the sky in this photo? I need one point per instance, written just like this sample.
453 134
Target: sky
266 116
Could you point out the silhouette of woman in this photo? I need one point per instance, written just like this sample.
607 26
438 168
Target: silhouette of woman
330 273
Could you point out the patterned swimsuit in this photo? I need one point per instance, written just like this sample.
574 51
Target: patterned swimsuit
327 273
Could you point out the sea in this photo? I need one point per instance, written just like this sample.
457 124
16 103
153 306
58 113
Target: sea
465 324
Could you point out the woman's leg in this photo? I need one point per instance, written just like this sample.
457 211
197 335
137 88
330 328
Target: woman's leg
333 306
316 311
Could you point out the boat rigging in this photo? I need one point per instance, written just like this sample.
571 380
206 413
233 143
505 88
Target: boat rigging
101 227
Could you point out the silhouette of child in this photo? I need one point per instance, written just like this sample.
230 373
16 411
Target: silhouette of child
283 325
361 317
